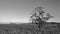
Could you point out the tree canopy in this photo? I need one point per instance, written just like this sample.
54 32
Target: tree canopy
38 16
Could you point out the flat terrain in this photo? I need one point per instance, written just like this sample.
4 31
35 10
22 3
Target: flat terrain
29 28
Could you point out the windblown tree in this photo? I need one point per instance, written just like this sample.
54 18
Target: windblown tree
38 16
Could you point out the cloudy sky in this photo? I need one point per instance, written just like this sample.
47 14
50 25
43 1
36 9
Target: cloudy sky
20 10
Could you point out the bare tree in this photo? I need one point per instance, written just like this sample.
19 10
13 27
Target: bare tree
38 17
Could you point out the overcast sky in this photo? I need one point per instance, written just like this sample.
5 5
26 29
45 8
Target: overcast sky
19 10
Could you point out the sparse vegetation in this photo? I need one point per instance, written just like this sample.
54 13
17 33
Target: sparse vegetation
18 29
29 28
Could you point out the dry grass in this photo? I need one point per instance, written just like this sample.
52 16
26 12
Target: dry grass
28 28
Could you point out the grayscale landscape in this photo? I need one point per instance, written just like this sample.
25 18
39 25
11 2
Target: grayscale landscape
29 16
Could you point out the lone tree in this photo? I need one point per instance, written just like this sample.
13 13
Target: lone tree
38 17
